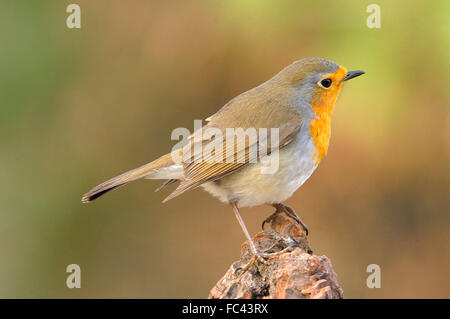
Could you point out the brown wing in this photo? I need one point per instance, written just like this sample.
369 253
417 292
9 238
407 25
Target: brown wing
206 164
197 173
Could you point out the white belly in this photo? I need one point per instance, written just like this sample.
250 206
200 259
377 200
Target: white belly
249 187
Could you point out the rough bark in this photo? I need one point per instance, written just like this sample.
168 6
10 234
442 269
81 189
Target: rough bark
297 273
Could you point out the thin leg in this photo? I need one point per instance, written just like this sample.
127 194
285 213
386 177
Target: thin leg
244 228
257 255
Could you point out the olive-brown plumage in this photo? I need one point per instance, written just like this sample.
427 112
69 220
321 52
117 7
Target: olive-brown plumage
298 102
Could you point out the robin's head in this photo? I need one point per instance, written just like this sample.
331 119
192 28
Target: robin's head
317 80
315 84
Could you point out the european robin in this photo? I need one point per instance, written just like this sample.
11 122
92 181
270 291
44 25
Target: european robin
298 102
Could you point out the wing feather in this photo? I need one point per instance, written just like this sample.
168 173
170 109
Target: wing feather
197 173
261 107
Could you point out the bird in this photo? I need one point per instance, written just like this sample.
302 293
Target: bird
298 103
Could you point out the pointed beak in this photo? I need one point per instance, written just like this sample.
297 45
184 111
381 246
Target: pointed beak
353 74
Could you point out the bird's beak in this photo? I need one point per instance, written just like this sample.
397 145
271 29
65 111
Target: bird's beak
353 74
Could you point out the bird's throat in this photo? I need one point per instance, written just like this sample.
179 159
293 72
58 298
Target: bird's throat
320 126
320 132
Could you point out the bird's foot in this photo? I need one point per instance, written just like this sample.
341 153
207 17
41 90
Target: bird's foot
270 218
261 256
238 271
289 211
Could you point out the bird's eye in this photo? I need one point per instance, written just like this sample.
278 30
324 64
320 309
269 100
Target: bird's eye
326 83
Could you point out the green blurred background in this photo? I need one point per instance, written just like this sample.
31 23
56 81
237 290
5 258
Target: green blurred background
78 106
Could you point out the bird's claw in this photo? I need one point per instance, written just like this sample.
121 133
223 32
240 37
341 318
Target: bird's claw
243 269
261 257
268 219
290 213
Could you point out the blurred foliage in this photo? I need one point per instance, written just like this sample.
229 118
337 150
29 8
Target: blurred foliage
80 106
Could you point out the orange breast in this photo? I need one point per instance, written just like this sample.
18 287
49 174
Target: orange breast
322 103
320 132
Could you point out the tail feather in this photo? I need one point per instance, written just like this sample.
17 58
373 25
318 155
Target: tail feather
168 182
125 178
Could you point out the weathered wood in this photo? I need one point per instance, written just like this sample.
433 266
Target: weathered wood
295 274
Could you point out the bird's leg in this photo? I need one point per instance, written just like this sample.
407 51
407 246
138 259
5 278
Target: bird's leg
288 248
291 213
281 208
258 256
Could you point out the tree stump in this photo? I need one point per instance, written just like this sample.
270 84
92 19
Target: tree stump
295 274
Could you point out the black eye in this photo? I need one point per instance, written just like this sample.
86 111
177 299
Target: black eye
326 83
